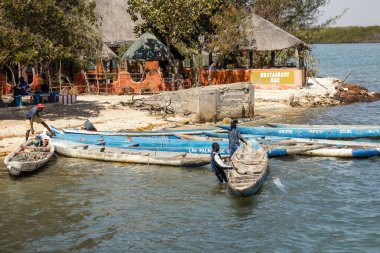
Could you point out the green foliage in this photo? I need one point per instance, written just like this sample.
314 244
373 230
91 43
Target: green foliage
177 20
39 31
228 35
346 35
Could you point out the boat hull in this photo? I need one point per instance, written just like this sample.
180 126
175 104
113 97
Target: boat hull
16 167
110 154
250 164
327 133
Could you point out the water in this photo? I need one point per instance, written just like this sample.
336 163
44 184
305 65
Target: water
307 204
361 59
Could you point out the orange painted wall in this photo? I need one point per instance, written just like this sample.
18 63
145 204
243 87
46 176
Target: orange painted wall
153 81
225 76
152 65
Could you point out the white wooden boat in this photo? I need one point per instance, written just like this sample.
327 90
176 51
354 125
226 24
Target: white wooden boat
28 158
113 154
250 164
345 152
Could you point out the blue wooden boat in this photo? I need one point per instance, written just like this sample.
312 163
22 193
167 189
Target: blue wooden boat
122 141
279 125
167 133
250 169
248 136
272 151
175 145
322 133
328 148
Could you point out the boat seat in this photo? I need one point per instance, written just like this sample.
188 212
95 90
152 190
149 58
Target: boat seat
39 149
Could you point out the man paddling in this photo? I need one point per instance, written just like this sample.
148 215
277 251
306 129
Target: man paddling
33 116
217 164
233 137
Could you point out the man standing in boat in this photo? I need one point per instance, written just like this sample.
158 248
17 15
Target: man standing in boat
217 164
33 115
233 137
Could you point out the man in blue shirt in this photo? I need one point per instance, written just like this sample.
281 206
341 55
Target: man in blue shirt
217 164
33 116
233 137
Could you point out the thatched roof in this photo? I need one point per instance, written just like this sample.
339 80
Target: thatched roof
116 25
107 53
147 47
263 35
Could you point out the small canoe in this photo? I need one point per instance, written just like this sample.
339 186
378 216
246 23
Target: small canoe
250 164
110 141
112 154
316 133
28 158
279 125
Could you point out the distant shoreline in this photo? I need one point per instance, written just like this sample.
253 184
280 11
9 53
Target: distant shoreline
345 35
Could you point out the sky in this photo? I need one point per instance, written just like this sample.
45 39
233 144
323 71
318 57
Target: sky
359 13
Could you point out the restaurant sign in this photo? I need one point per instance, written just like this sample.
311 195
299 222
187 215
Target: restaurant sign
275 76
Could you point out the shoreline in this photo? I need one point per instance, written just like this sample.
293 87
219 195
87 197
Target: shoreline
108 112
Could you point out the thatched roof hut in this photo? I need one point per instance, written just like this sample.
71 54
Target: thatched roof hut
107 53
263 35
147 47
116 25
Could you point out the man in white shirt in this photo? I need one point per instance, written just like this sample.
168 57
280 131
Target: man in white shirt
217 164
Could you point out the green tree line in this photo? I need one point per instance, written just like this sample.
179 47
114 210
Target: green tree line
354 34
39 32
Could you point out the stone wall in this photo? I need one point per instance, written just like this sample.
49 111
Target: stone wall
211 103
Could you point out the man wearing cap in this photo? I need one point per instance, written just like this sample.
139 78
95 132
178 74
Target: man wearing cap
33 116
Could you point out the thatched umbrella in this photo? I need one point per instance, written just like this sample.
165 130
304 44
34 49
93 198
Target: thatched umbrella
262 35
115 23
147 47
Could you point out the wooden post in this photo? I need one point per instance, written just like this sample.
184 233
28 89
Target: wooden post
272 58
59 77
250 59
251 101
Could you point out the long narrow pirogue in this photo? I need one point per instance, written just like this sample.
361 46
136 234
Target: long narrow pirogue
112 154
314 133
28 158
250 164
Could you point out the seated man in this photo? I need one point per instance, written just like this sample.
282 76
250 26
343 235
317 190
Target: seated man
24 85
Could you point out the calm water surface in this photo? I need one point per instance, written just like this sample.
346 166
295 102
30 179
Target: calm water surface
307 204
